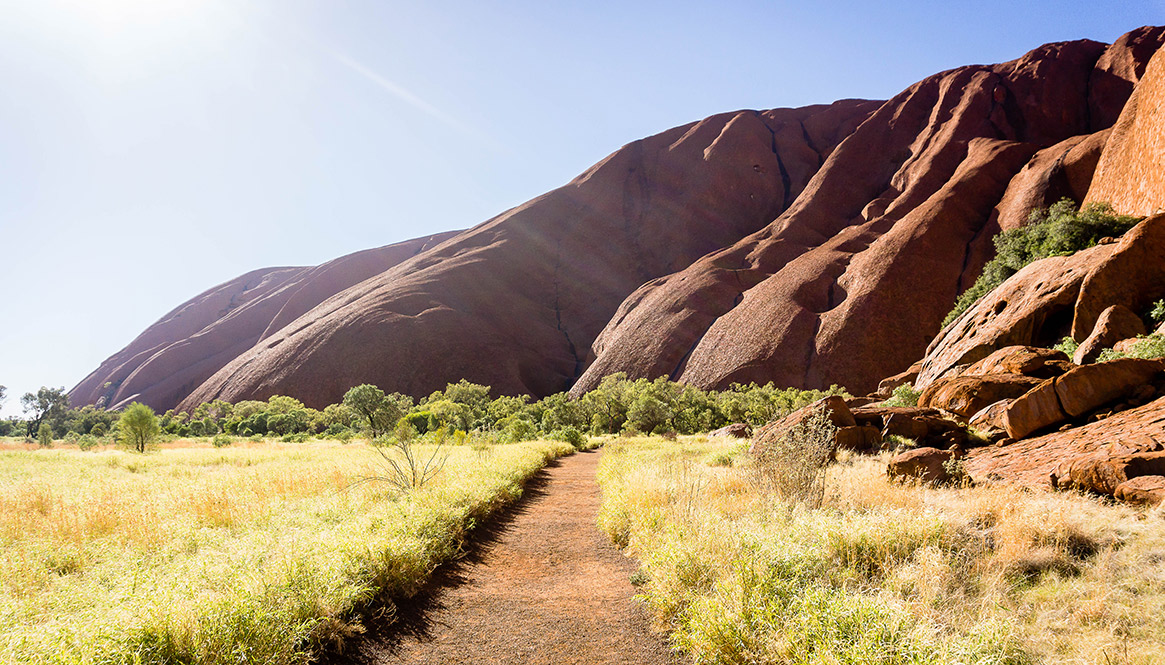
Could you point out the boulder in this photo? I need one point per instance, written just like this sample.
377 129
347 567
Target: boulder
1115 323
1089 387
834 406
887 385
859 438
924 464
1142 490
735 431
1030 361
1104 474
966 395
924 425
990 417
1034 410
1033 462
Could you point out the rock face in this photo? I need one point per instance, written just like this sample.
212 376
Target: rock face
831 291
1054 298
1115 323
805 246
966 395
925 464
175 355
1033 462
1131 172
515 302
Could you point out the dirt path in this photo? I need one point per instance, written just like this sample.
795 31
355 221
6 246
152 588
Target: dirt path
542 585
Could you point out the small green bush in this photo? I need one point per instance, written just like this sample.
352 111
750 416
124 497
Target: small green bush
1068 346
1157 314
570 435
44 436
298 437
1056 231
1150 346
904 395
87 442
222 441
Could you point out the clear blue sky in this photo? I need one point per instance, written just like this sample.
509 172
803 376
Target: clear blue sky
150 149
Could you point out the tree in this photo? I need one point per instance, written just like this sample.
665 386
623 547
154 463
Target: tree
45 403
372 405
138 426
2 395
44 435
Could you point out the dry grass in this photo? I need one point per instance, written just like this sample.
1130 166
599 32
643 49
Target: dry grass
883 573
255 553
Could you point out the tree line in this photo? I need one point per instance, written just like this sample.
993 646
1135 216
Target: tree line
617 405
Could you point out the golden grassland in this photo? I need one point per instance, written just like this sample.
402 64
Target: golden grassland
257 553
882 572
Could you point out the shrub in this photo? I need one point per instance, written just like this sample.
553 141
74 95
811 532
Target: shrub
298 437
1056 231
87 442
1157 313
793 465
1150 346
904 395
44 435
138 426
570 435
222 441
1068 346
405 467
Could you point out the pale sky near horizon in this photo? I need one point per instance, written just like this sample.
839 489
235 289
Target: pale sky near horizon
151 149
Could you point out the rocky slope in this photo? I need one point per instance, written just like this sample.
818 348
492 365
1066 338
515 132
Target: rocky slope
802 246
516 302
186 346
852 282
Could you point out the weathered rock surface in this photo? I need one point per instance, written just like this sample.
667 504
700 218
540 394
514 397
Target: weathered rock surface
1131 171
924 464
188 345
860 438
1142 490
735 431
965 395
1056 297
1031 462
924 425
909 199
1115 323
1023 360
516 302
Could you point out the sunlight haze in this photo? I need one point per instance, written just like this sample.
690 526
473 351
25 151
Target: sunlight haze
152 150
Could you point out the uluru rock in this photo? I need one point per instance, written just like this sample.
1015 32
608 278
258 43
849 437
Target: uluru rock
852 282
806 246
188 345
516 302
1131 171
